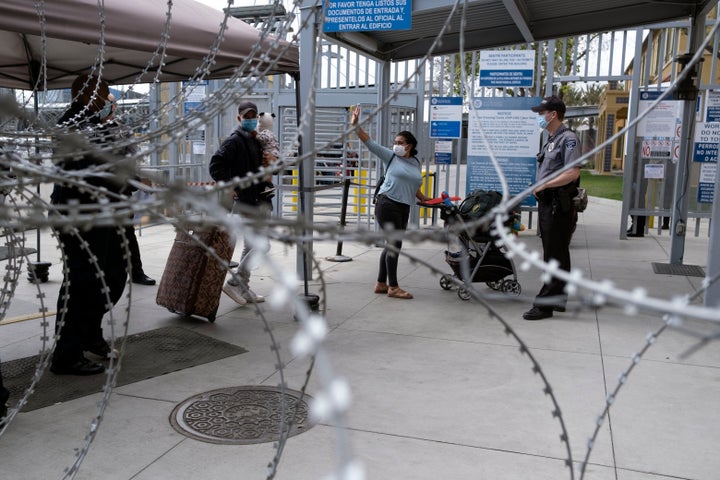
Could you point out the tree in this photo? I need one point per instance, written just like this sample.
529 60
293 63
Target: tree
582 94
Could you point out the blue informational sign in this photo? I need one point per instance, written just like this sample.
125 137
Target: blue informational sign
706 182
513 138
652 95
706 193
194 94
367 15
194 83
510 78
192 106
443 152
444 130
705 152
712 113
443 158
712 106
507 68
445 117
519 173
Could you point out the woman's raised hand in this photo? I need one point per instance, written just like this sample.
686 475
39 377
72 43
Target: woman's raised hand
362 135
355 116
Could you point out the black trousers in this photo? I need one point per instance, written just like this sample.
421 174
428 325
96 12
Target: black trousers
391 216
82 302
4 392
556 228
135 260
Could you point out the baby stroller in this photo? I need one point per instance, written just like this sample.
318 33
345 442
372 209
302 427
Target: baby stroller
479 260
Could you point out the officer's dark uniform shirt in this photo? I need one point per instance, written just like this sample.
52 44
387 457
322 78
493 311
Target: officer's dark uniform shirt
561 148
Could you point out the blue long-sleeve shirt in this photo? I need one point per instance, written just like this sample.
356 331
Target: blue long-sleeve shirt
402 178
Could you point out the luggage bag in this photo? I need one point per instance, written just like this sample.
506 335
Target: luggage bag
192 281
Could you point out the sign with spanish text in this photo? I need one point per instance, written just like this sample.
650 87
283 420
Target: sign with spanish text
506 129
366 15
445 117
712 106
707 137
443 152
507 68
706 182
705 152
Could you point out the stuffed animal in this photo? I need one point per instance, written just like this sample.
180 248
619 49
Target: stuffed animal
266 121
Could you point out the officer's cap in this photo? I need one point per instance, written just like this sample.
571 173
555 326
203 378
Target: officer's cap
552 104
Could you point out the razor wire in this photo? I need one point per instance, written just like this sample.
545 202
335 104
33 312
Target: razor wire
333 400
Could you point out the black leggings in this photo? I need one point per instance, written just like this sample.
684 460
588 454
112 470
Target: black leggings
392 216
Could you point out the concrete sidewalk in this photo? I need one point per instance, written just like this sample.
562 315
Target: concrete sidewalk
440 389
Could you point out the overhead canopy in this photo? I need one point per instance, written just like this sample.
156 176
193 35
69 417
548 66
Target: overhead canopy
133 32
493 23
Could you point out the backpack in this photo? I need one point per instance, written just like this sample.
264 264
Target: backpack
478 203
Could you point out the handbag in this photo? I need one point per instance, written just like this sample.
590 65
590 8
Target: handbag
380 181
580 200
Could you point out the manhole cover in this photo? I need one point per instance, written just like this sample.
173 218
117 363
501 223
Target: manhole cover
241 415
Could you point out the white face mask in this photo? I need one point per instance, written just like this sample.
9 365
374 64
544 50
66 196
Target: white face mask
399 150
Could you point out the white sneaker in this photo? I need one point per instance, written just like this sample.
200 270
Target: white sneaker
251 297
235 292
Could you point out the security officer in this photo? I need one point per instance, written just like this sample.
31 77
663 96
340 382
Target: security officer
556 214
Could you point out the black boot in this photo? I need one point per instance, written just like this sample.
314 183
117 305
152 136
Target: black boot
637 229
142 279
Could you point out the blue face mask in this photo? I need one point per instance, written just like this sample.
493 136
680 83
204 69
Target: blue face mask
542 121
249 124
106 111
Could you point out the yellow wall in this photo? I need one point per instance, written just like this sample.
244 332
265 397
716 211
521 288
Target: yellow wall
613 103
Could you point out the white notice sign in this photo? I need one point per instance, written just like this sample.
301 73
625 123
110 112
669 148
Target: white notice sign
662 120
655 170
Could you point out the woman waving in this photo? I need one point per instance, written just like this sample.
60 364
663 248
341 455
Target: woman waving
399 191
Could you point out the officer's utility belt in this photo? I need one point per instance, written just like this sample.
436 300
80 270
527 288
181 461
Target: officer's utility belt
560 196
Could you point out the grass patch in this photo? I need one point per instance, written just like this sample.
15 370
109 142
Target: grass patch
604 186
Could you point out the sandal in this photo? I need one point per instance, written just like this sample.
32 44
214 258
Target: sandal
381 287
397 292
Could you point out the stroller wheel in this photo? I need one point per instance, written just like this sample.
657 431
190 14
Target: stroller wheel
445 282
463 293
511 286
497 285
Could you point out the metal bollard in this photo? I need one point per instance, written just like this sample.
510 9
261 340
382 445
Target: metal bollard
339 257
